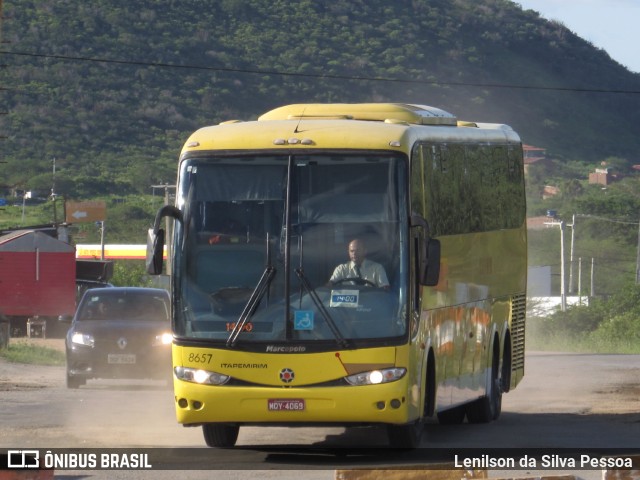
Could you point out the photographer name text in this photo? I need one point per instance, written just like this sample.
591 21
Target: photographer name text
545 461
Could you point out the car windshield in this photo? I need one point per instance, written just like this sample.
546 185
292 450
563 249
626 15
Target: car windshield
124 305
266 239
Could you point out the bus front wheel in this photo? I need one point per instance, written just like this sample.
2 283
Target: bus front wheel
405 436
220 436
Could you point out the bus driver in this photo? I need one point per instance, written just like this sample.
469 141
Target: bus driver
359 267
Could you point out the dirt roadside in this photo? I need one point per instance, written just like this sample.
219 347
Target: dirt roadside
21 376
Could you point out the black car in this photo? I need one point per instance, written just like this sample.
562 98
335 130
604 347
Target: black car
120 332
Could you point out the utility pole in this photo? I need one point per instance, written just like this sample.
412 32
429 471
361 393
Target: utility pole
593 264
53 193
101 222
25 195
563 293
573 233
579 280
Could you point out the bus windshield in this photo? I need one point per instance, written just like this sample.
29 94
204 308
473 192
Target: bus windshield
265 249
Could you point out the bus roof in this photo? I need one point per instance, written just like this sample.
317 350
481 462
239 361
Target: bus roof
382 126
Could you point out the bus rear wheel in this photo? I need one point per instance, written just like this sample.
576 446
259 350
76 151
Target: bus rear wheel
453 416
489 407
220 436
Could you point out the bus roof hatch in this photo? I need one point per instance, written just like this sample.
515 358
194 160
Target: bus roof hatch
403 112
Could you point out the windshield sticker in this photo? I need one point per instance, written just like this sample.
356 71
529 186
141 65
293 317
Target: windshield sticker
303 320
344 298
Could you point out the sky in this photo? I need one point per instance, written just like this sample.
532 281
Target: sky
613 25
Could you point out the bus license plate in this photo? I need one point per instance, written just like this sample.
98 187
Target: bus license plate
286 405
121 358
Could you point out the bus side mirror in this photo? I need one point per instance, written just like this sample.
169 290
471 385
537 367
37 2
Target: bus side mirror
156 238
155 251
428 252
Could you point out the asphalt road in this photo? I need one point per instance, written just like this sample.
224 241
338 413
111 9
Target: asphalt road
581 402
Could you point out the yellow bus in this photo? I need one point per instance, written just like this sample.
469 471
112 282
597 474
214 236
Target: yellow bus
273 323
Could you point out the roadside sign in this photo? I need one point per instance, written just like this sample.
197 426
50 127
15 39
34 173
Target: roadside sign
78 212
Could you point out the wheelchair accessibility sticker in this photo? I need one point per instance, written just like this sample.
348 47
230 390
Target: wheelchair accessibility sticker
303 320
344 298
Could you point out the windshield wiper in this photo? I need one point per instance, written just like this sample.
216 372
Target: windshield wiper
256 296
342 342
252 303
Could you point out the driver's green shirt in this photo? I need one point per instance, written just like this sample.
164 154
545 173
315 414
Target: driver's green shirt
369 270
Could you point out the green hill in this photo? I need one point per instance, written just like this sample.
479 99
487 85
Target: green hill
111 88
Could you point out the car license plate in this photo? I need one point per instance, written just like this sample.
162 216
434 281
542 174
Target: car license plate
285 405
121 358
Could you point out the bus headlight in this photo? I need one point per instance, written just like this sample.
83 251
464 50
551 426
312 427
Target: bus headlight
376 377
204 377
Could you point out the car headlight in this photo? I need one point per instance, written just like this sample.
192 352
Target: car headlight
205 377
83 339
163 339
376 377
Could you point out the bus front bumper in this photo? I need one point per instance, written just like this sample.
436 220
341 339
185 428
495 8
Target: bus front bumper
342 405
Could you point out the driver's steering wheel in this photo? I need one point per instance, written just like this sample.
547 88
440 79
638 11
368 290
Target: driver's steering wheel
356 280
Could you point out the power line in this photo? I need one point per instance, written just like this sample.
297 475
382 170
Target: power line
316 75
